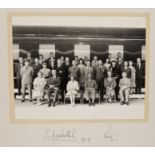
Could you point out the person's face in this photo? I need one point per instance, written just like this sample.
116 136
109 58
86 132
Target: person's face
21 60
109 56
107 61
124 75
41 57
36 60
53 72
76 58
39 75
130 63
113 63
88 63
44 65
81 62
118 55
85 58
125 64
26 63
28 54
59 62
109 74
51 54
74 63
138 60
100 62
62 58
95 57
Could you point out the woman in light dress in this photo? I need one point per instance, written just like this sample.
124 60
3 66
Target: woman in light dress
107 64
72 89
81 66
39 85
133 77
46 72
110 85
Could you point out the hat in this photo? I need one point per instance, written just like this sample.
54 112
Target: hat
71 75
113 60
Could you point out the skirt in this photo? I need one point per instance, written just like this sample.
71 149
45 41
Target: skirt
72 92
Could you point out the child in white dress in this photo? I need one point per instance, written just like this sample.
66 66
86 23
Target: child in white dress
39 84
72 89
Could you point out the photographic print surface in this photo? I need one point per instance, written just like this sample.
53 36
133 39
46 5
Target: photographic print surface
79 67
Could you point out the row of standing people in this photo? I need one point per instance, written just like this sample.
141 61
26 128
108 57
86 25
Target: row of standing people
81 69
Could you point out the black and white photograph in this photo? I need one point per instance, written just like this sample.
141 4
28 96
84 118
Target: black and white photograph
79 67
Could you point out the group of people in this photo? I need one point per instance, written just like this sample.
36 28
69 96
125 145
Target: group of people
114 78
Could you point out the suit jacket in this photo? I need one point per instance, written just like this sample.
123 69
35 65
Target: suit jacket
18 67
36 69
90 84
99 73
31 61
63 74
74 70
139 71
115 72
54 81
26 74
87 70
128 72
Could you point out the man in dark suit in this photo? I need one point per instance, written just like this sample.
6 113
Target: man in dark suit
51 58
74 70
29 59
62 73
36 67
53 85
99 77
139 75
116 73
18 67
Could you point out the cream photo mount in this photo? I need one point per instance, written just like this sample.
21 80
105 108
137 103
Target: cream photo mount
13 118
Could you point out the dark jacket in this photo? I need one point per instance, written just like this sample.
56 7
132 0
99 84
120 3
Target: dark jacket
18 67
54 81
139 71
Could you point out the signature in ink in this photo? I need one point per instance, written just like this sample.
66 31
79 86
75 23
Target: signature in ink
108 133
60 135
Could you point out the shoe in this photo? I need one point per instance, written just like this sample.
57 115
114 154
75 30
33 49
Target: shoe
110 101
53 104
30 100
49 105
127 103
89 103
122 103
23 100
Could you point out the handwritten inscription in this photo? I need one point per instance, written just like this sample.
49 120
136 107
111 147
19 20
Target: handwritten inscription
58 135
105 132
108 133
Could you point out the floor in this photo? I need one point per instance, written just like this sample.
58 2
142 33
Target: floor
28 110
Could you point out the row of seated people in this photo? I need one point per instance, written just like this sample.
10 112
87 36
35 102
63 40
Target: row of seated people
27 69
52 86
